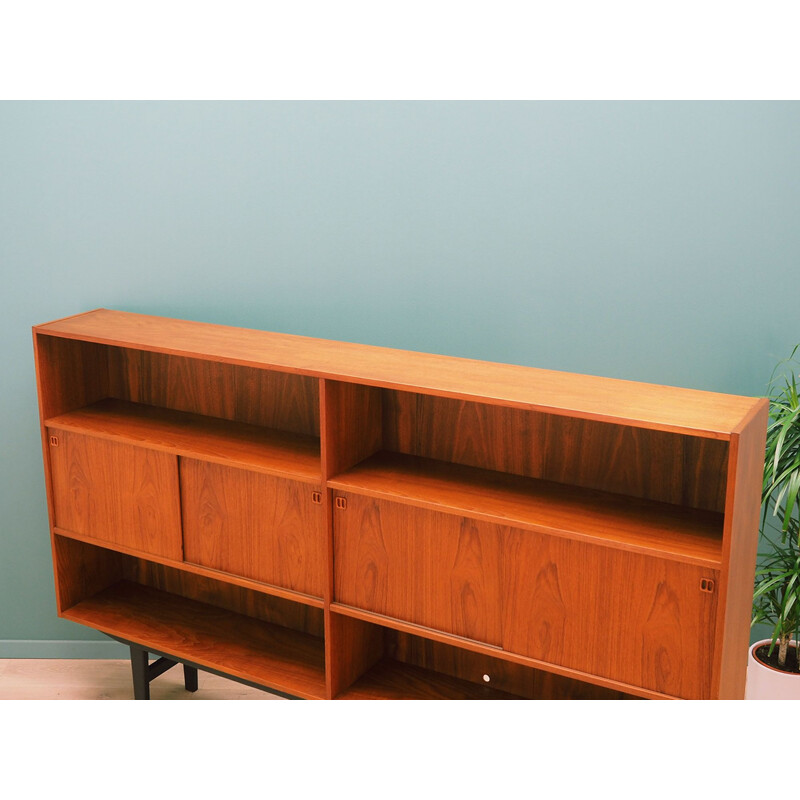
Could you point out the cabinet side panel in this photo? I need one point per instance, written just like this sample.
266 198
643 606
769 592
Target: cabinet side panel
355 646
705 473
740 546
69 375
83 570
72 374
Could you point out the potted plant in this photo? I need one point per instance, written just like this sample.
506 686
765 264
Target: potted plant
773 671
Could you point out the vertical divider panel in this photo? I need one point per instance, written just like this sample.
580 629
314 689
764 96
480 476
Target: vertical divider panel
357 646
351 421
351 425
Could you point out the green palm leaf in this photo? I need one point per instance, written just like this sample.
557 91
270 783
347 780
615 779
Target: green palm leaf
776 595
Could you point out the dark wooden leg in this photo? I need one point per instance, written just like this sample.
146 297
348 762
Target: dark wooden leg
189 678
144 672
141 673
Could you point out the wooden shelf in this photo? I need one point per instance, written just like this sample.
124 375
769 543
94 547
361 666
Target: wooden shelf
252 447
496 652
259 652
393 680
196 569
668 531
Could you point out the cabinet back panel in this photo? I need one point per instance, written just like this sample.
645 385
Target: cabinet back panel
277 610
504 675
83 570
656 465
278 400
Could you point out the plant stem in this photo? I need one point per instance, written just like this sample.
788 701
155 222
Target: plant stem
783 650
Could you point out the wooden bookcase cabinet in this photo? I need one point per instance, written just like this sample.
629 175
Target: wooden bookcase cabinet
341 521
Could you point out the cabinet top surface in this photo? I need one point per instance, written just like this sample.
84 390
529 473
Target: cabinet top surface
646 405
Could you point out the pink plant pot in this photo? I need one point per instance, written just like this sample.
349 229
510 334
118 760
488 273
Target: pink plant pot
767 683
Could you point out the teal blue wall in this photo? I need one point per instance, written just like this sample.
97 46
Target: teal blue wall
651 241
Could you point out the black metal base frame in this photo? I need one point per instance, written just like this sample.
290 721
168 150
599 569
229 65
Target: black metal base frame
144 672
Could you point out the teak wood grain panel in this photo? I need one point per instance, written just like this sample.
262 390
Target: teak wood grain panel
639 620
351 425
269 398
116 493
658 465
353 647
83 570
652 464
71 374
642 405
464 432
254 525
432 569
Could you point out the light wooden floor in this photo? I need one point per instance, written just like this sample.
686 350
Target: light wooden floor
84 679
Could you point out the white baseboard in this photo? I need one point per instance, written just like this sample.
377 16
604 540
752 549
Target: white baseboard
61 648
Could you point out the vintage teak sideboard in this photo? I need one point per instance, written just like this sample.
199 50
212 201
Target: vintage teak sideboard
333 520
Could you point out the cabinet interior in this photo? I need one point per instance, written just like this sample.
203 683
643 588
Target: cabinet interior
403 665
248 634
657 465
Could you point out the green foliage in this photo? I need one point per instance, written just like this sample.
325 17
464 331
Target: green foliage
776 599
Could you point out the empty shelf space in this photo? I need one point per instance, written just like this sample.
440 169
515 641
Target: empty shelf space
393 680
207 438
263 653
196 569
684 534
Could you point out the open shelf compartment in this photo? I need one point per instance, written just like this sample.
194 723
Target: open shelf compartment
686 534
382 663
258 419
191 435
265 640
650 491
